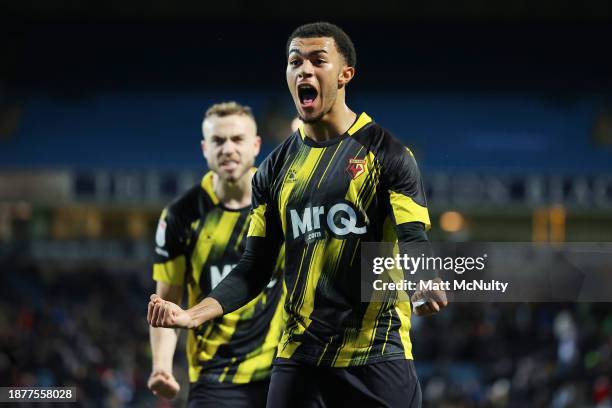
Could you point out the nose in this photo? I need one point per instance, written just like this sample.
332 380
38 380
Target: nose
306 69
228 148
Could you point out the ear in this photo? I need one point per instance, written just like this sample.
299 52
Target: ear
257 145
346 74
203 144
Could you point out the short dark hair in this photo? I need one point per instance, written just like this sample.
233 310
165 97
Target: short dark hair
323 29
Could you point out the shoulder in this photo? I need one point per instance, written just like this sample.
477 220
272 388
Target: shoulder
397 163
380 142
185 208
273 163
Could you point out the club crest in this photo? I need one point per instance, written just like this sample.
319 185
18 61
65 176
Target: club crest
356 167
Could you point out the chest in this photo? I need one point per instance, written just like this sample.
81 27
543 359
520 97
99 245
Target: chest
329 189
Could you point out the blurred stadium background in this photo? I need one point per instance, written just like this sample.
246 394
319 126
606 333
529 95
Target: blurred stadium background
507 106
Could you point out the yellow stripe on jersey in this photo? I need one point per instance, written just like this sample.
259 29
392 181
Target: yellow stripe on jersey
241 235
406 210
223 232
289 182
171 272
305 172
257 227
403 311
305 302
363 120
200 254
207 185
387 334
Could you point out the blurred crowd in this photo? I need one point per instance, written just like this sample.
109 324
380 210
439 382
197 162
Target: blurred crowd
87 329
84 328
515 355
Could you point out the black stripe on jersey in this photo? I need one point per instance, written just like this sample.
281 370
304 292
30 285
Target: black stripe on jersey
283 170
299 286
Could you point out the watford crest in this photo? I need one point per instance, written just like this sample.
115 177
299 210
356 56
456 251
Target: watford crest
356 167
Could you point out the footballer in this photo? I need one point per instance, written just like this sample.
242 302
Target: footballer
200 237
338 181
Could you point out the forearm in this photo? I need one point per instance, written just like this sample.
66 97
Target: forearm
208 309
163 340
163 345
413 241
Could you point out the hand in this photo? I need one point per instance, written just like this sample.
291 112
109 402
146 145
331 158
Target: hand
428 302
162 313
163 384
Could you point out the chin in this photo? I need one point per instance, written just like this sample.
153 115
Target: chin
231 178
312 118
234 176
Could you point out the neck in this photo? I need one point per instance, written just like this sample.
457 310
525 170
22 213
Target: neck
233 194
336 122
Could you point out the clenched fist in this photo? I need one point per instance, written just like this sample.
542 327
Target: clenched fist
162 313
428 302
163 384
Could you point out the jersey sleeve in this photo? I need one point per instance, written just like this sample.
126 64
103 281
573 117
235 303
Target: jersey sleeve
406 192
170 243
265 220
408 205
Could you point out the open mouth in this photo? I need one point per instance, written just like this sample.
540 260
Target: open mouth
229 164
307 94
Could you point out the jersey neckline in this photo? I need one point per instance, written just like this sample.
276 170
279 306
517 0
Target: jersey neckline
360 121
207 186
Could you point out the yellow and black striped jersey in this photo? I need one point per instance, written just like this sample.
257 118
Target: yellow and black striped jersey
323 200
198 241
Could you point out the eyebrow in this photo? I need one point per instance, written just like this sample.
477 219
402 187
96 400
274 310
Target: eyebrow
228 137
311 52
